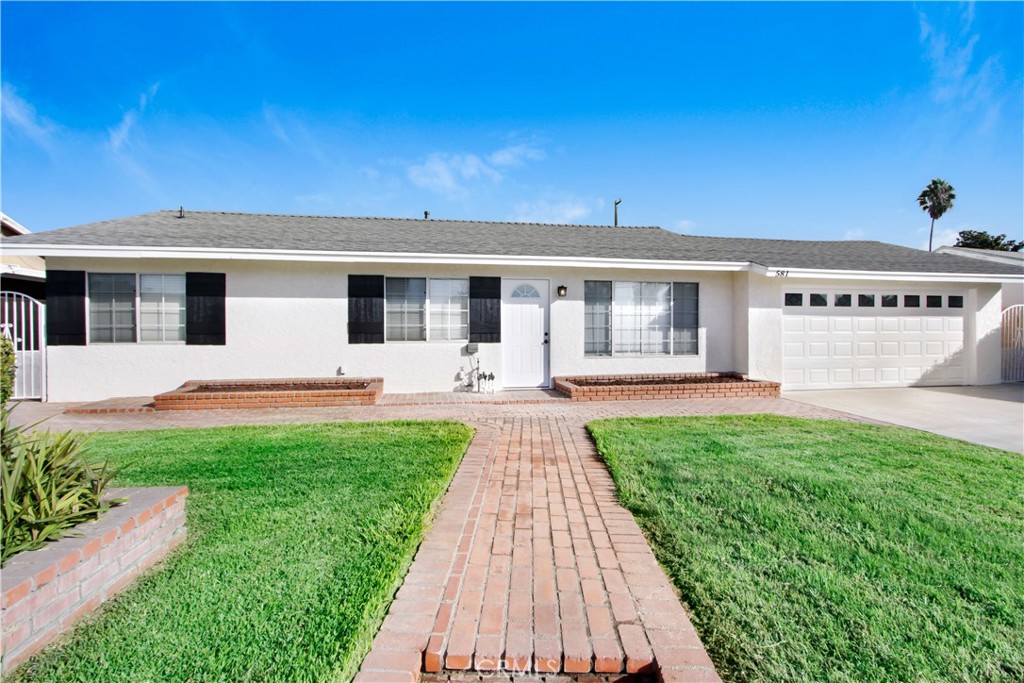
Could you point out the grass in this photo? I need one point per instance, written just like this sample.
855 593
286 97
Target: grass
298 538
821 550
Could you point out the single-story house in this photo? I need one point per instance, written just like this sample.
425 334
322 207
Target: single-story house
138 305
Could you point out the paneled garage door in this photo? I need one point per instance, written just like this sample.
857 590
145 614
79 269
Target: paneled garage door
857 338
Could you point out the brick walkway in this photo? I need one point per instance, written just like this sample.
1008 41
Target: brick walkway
531 565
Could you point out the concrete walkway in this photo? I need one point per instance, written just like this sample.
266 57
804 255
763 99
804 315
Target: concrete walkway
531 566
988 415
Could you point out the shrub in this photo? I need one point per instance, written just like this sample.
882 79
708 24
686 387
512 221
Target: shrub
47 486
7 369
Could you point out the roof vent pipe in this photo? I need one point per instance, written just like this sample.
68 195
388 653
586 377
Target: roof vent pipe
617 202
426 215
181 212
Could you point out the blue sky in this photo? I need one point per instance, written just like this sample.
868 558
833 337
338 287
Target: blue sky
803 121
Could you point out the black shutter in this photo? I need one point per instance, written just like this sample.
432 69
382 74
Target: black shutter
485 309
65 307
365 309
204 309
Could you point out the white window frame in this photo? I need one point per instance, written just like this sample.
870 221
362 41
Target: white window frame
426 311
671 335
136 311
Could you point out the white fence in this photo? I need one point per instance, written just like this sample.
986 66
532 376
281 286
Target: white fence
22 321
1013 344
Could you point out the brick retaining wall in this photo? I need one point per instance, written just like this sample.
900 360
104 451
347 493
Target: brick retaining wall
334 393
46 591
733 385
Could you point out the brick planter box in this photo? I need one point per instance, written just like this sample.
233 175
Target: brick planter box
272 393
46 591
640 387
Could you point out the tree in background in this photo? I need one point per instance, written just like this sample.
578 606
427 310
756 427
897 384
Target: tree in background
935 200
979 239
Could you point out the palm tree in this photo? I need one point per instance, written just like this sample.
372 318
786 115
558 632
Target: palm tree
936 199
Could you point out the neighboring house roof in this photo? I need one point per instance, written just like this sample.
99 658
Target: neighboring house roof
854 255
1012 258
25 267
202 231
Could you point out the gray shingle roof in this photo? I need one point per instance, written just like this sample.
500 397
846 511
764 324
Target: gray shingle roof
201 229
840 255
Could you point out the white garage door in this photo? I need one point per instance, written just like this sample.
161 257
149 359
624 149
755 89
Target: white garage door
857 338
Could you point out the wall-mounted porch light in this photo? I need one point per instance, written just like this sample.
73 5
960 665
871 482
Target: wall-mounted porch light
562 290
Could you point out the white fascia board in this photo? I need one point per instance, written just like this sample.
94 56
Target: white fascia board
363 257
790 273
10 269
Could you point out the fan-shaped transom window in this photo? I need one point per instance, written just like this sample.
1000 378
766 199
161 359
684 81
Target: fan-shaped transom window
525 292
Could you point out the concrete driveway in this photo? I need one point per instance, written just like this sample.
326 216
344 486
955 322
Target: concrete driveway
990 415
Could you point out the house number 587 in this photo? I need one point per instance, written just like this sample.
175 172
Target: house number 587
781 273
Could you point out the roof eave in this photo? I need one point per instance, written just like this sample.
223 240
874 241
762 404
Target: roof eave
88 251
898 276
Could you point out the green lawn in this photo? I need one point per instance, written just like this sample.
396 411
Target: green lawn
298 538
820 550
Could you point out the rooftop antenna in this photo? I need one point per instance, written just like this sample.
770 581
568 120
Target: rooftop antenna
426 215
617 202
181 212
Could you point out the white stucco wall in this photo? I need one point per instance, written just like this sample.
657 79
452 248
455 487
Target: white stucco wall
287 319
1013 295
983 331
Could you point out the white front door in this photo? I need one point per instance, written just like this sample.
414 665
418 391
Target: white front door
524 333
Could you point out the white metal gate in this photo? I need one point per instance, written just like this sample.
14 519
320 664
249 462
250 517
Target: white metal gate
21 321
1013 344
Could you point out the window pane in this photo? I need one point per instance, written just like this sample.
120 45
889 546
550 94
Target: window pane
794 299
656 334
934 301
642 318
956 302
911 301
819 300
627 314
111 307
597 318
890 300
162 307
866 300
405 302
449 307
844 300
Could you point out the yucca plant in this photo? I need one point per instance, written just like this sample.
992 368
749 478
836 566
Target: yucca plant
47 486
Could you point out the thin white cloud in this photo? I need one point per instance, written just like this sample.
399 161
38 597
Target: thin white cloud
453 174
685 225
516 155
447 174
273 122
317 198
24 118
961 78
119 135
296 134
854 234
555 210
